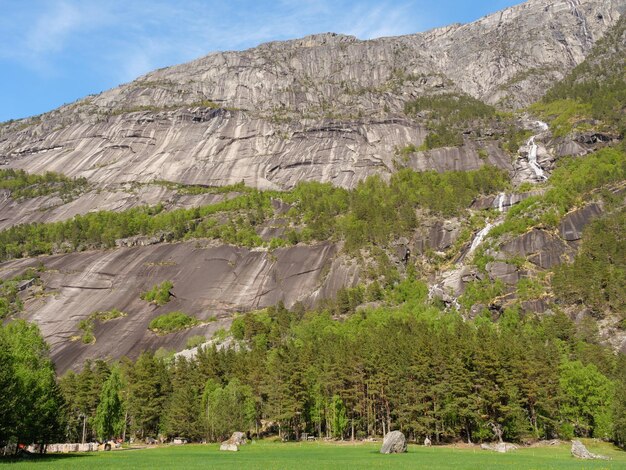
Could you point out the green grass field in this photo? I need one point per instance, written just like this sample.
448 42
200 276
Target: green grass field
304 456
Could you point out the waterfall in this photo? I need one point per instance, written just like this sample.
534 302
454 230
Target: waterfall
581 19
478 239
532 158
499 202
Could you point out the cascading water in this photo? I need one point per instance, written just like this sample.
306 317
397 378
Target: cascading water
445 289
441 289
532 159
499 202
582 20
532 152
480 236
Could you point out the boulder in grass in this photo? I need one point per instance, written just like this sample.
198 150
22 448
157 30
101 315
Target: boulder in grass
394 443
238 438
227 445
580 452
502 447
232 444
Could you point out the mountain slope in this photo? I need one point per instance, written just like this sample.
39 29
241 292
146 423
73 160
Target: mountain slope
369 117
323 108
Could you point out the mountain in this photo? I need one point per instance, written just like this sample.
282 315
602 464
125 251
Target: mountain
232 153
269 115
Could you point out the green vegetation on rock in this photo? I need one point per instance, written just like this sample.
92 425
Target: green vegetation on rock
573 182
25 185
172 322
597 277
87 325
195 341
371 213
448 115
594 91
160 294
10 301
376 211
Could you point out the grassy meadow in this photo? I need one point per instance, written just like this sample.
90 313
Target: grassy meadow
302 456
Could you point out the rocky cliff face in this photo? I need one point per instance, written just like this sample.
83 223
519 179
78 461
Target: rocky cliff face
211 282
324 107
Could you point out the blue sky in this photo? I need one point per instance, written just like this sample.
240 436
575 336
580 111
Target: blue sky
56 51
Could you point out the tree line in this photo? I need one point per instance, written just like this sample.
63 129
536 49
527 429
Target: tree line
371 213
411 368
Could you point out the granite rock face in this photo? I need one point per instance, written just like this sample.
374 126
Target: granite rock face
507 273
540 247
573 224
323 108
210 282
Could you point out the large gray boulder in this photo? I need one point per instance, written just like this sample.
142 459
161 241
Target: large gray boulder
580 452
232 444
394 443
502 447
238 438
228 446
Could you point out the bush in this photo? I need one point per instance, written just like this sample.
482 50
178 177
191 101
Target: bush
159 294
172 322
88 324
483 292
195 341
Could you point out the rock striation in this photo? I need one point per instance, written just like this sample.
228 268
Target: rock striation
211 282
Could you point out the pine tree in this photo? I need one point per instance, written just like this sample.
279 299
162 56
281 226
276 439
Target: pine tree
147 389
9 393
183 411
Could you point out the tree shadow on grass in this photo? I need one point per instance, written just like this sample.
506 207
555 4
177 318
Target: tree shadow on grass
48 458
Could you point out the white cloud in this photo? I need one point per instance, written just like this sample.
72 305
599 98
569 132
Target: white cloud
123 39
37 35
51 30
386 19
